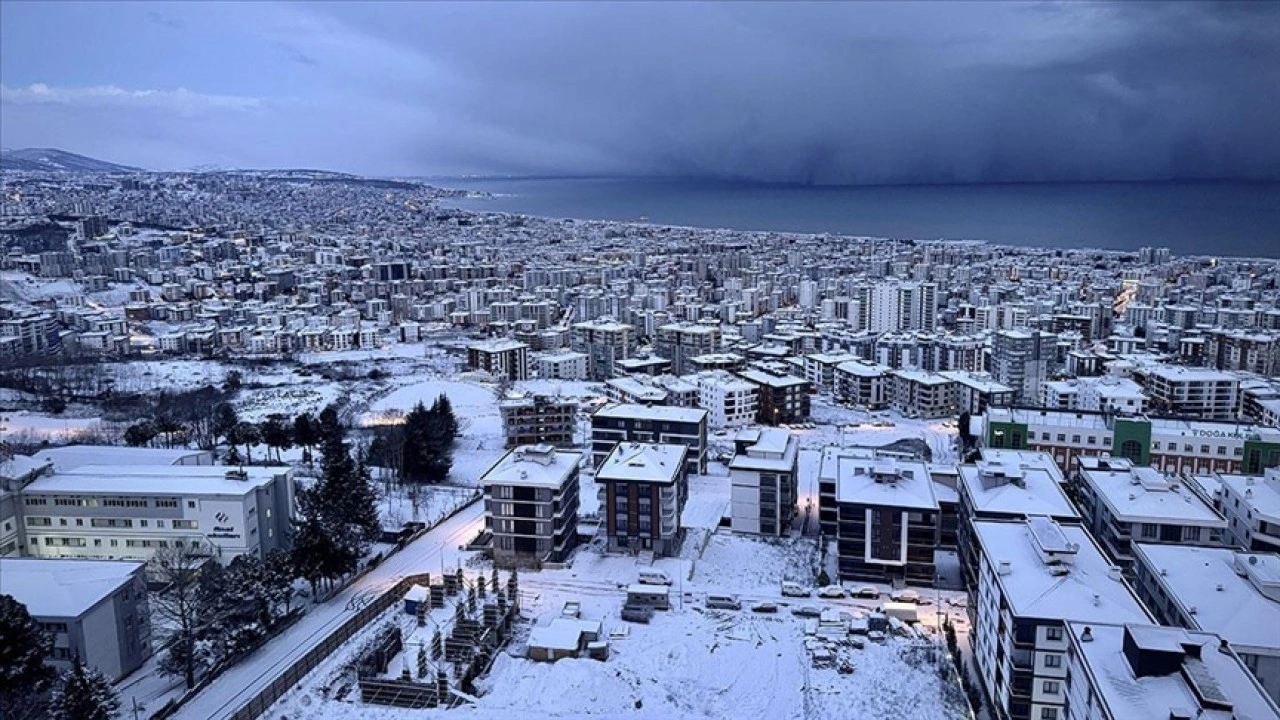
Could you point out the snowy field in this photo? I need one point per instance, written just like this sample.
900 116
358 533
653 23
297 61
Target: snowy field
690 662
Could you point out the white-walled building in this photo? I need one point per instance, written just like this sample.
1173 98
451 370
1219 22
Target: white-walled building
563 366
1252 507
729 400
763 481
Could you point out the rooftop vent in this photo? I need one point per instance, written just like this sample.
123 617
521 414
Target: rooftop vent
1087 635
1006 567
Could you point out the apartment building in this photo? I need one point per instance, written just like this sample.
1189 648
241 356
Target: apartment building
633 391
679 342
729 400
784 398
1251 505
1121 672
1008 485
613 424
975 392
605 343
122 512
918 393
531 505
864 384
764 481
886 519
643 490
94 610
1233 594
1190 392
1035 577
563 366
1174 445
820 369
1021 360
1110 394
1123 503
538 419
503 359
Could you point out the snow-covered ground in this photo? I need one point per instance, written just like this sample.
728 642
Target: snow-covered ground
690 662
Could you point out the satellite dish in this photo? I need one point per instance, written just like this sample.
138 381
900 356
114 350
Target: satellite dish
1253 559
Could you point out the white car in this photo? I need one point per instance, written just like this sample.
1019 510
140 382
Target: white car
866 591
654 577
831 591
791 589
906 596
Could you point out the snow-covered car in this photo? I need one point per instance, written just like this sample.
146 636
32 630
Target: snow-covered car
807 611
905 596
866 591
791 589
831 591
958 601
765 607
724 602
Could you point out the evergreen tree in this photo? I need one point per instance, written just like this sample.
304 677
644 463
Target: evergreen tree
449 421
276 435
277 581
139 434
224 419
245 433
304 434
415 453
83 694
182 607
23 647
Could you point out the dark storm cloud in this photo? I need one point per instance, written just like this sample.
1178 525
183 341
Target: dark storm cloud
789 92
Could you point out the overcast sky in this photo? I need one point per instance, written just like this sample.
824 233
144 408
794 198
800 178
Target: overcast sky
824 92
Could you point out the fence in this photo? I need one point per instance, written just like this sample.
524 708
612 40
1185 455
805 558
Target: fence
318 654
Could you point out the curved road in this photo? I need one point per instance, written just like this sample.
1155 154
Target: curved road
238 685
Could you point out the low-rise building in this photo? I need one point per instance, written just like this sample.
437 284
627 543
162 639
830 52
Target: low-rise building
917 393
1233 594
763 481
643 489
531 505
94 610
1123 503
864 384
563 366
783 398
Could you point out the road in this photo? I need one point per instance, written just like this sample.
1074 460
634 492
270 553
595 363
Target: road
434 550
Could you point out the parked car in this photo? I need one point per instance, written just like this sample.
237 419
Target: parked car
572 609
905 596
637 613
723 602
866 591
807 611
792 589
654 577
765 607
831 591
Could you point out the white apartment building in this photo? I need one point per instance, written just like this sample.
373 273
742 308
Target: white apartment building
976 392
1233 594
729 400
1252 507
1111 394
763 481
1034 577
122 512
1123 503
820 369
563 366
631 390
605 343
1021 360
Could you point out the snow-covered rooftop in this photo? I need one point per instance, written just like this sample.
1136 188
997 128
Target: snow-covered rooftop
74 456
1144 494
642 462
654 412
1239 612
773 449
533 466
885 481
62 587
1007 486
761 377
1086 591
1209 672
157 480
1262 493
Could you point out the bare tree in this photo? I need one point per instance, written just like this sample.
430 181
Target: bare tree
180 606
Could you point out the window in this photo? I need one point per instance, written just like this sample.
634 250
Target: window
1075 439
1222 449
1150 530
1131 450
1062 437
1049 713
1051 687
1155 445
1053 633
1204 449
1053 660
36 501
191 504
166 503
1093 440
1190 534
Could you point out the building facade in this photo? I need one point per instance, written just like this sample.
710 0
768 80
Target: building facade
538 419
613 424
763 481
531 505
643 490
